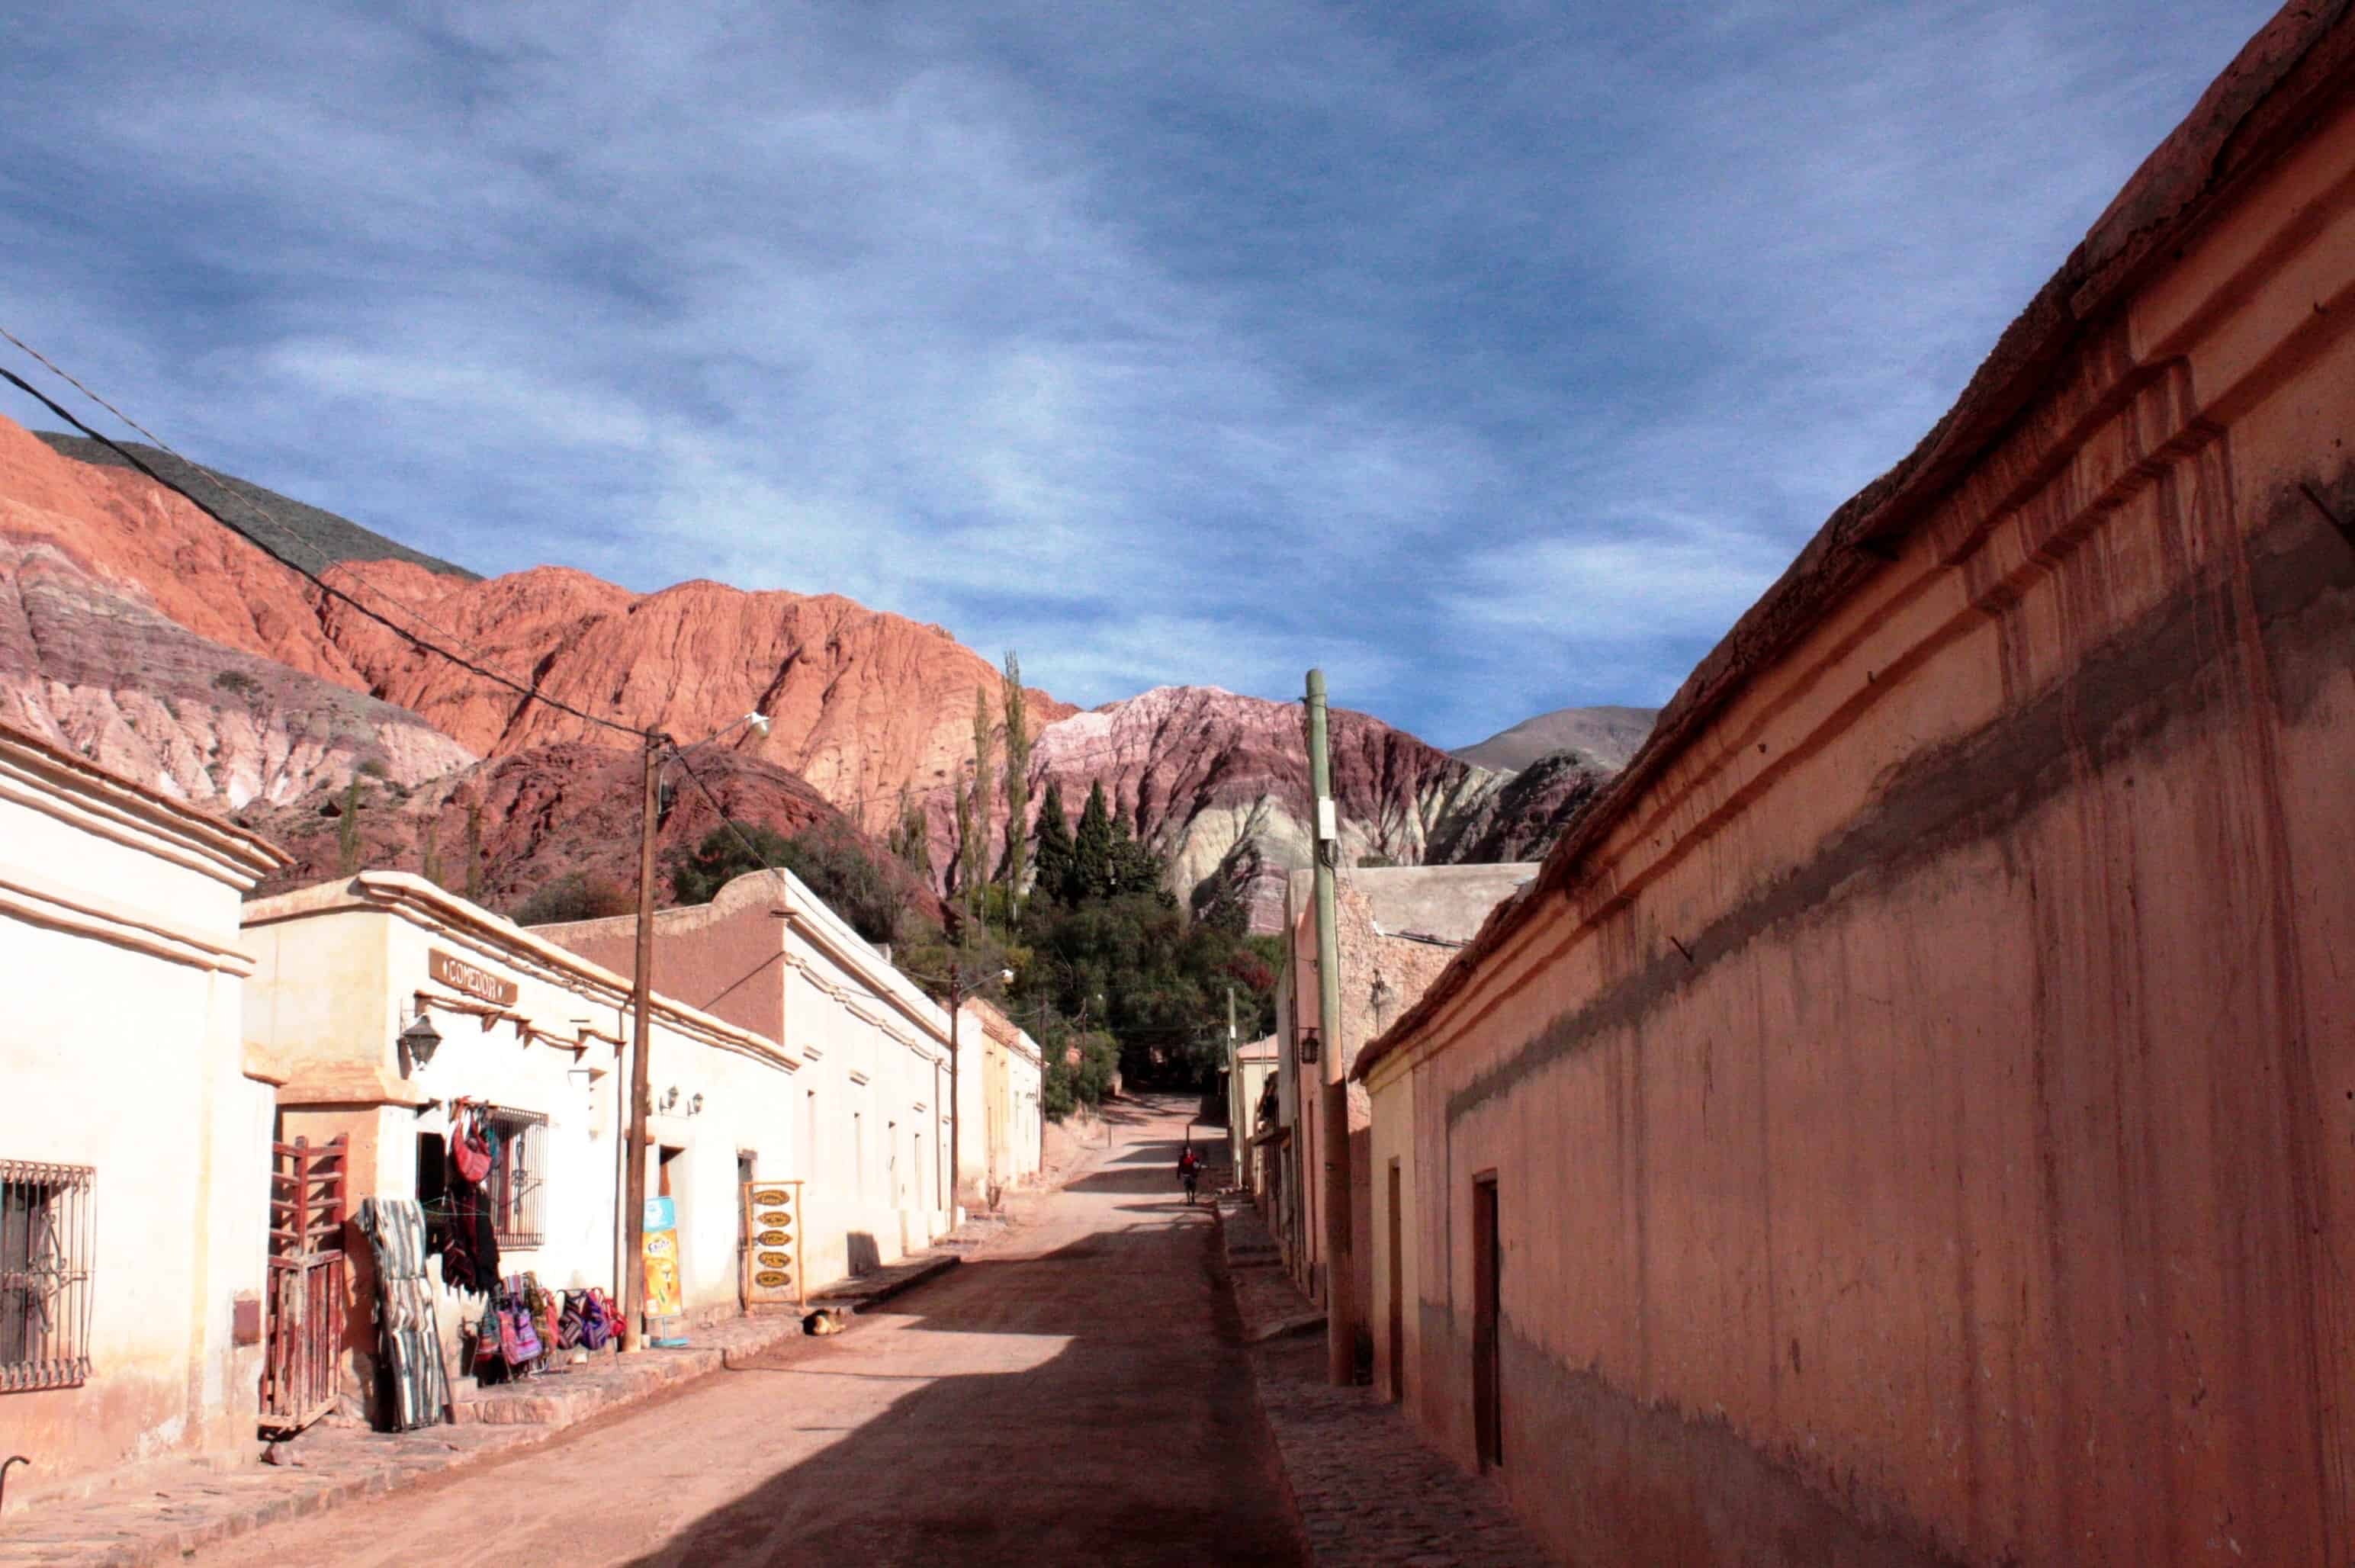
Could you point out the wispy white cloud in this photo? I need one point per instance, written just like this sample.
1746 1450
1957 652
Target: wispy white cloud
1492 358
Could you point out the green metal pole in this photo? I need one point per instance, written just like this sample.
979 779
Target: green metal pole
1340 1309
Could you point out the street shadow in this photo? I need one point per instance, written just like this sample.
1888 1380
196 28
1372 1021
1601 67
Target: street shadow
1121 1429
862 1254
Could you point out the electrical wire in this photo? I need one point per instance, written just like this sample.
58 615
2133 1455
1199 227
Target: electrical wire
262 512
530 693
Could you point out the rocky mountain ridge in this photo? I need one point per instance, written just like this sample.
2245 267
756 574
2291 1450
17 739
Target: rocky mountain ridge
1606 737
144 633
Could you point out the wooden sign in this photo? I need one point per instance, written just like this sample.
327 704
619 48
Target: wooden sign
470 979
773 1243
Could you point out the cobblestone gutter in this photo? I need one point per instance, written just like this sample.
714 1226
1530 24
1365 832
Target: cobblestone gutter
1369 1494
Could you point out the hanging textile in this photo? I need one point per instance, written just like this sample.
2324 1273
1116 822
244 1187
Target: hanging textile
470 1254
409 1334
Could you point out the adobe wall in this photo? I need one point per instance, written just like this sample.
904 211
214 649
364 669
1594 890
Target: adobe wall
122 1048
1925 1127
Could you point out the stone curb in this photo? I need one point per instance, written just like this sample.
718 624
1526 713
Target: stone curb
1367 1492
858 1297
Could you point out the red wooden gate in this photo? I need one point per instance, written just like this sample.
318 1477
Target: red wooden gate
307 1282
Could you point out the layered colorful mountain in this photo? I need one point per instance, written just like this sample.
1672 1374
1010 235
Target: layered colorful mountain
144 633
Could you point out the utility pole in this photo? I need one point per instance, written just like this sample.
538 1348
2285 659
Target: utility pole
1239 1150
957 1106
641 984
1340 1309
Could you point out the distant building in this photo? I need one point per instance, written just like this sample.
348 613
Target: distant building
1003 1109
1399 925
134 1136
872 1133
1911 1118
531 1036
1250 1073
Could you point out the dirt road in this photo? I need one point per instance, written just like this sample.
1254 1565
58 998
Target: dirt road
1072 1395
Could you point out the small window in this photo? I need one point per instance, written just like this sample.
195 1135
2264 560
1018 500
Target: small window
46 1241
518 1175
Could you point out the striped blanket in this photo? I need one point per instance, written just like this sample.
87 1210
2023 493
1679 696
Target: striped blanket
409 1335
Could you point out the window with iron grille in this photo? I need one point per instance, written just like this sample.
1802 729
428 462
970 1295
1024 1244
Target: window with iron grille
47 1233
518 1175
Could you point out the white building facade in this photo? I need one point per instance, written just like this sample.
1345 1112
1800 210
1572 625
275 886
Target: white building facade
870 1140
534 1037
134 1141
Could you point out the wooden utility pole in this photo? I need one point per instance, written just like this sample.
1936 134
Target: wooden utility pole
634 1153
1340 1308
957 1106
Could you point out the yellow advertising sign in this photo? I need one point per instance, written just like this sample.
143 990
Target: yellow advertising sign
663 1296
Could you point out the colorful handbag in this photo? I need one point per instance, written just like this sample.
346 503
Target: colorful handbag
518 1340
471 1149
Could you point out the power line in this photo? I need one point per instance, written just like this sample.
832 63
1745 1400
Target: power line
283 531
133 458
528 691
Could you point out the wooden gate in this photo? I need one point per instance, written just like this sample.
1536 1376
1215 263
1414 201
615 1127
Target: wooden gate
307 1283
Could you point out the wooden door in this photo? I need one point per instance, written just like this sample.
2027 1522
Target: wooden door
304 1308
1488 1279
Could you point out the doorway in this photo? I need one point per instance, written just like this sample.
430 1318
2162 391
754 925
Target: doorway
1488 1280
743 1228
1398 1294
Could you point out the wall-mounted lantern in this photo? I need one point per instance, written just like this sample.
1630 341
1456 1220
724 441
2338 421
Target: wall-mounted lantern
419 1041
694 1106
1309 1046
670 1099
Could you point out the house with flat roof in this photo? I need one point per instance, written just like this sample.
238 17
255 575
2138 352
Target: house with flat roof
134 1131
869 1136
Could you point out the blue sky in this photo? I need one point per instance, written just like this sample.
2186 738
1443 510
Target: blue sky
1494 356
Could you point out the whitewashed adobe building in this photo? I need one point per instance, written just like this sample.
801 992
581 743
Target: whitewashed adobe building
133 1139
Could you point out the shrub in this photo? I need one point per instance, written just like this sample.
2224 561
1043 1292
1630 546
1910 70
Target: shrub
576 895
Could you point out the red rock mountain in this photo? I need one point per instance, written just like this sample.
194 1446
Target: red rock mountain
145 633
503 829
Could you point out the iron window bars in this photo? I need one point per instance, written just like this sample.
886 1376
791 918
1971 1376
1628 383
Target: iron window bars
48 1236
518 1176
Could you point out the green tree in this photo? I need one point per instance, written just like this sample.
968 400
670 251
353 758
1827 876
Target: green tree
912 836
1093 875
874 895
475 851
1015 704
347 830
1054 852
1135 868
974 835
723 854
576 895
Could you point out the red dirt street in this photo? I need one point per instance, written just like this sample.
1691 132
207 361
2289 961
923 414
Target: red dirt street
1073 1393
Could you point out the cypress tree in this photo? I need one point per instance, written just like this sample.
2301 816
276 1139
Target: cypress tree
912 836
1135 868
348 831
1015 705
1093 874
974 839
1054 844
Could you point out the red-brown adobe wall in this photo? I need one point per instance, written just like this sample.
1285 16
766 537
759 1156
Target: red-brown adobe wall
1925 1129
725 962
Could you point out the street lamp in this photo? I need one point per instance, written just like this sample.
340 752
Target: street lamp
418 1043
633 1177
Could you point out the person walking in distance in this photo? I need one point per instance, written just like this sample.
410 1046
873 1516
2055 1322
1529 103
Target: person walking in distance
1190 1170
